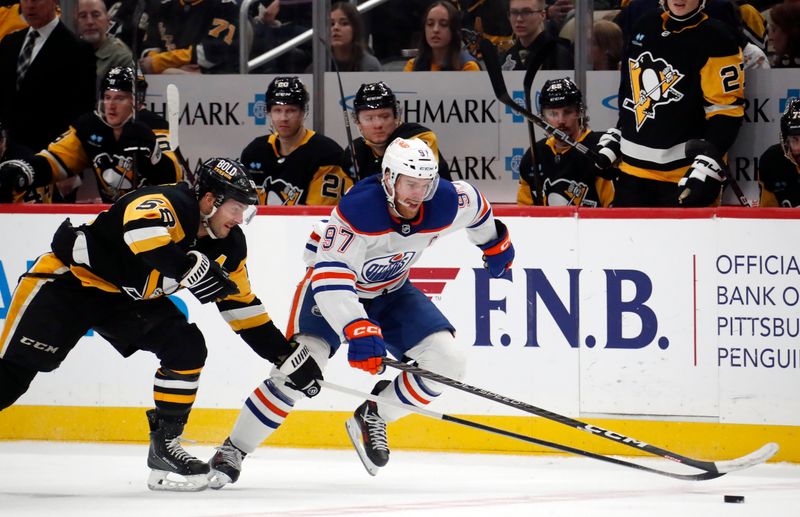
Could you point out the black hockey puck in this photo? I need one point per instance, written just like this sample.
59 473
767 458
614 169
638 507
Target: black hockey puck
734 498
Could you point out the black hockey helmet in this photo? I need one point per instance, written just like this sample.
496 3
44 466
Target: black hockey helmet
119 78
557 93
287 91
790 124
225 179
372 96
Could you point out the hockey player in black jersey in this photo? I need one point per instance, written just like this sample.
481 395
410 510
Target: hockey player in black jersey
779 166
114 274
564 175
294 165
377 115
682 79
123 153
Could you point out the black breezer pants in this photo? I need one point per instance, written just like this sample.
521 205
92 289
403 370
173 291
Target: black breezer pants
632 191
50 313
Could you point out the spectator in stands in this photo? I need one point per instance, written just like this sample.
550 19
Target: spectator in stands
784 35
779 166
533 44
269 32
557 174
196 37
92 22
47 77
10 19
557 12
606 49
440 46
348 45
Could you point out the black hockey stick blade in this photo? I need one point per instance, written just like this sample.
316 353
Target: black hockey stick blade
492 63
754 458
516 436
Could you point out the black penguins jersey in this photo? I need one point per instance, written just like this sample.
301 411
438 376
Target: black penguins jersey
369 161
566 177
90 143
310 175
779 179
160 128
679 81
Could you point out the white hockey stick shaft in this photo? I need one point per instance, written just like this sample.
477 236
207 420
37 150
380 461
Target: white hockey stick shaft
173 115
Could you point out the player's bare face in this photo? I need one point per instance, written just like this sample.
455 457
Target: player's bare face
117 107
230 214
341 30
409 193
682 7
567 119
793 142
286 120
437 28
38 13
376 125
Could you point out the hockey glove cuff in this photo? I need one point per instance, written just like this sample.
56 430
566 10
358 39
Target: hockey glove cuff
207 280
702 182
366 347
608 148
498 254
15 176
302 370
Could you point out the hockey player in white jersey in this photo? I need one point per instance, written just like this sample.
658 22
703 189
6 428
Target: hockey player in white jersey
356 290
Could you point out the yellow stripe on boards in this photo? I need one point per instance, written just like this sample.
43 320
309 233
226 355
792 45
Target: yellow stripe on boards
323 429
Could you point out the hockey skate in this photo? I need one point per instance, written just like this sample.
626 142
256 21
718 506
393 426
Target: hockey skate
173 468
367 431
226 465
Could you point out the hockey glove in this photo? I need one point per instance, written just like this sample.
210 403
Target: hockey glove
702 183
608 148
139 143
64 241
207 280
301 369
15 176
366 347
498 254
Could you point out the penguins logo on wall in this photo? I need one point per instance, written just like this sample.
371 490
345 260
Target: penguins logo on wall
279 192
652 84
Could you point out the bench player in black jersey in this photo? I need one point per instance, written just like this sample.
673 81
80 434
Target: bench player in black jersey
779 166
377 115
564 175
114 274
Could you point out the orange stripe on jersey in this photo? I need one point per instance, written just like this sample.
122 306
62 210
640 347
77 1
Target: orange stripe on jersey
272 407
343 218
412 391
325 276
297 301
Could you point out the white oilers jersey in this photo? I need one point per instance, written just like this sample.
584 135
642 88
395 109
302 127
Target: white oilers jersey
363 251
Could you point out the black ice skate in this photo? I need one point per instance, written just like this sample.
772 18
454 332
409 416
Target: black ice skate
168 458
226 465
367 431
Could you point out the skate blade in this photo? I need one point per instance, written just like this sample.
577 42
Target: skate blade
354 432
161 480
217 479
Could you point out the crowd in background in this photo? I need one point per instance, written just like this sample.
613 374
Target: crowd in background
202 37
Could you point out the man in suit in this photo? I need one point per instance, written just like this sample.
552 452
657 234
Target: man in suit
47 77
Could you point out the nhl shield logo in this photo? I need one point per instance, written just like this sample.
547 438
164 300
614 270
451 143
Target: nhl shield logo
405 229
652 84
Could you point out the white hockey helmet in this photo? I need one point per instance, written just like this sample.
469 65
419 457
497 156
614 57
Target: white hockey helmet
411 157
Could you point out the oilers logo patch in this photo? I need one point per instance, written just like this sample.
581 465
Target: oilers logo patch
652 84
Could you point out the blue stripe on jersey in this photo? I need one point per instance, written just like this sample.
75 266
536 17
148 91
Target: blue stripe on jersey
258 414
426 389
399 392
310 247
320 289
278 393
483 219
320 265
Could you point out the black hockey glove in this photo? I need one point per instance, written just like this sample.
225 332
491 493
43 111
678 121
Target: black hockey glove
301 369
16 176
703 182
608 148
64 242
207 280
788 196
139 143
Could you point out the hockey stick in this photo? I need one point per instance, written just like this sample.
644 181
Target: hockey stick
700 146
489 53
346 117
173 120
516 436
527 82
718 467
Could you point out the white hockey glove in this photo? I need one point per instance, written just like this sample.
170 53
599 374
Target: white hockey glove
608 148
301 369
15 176
207 280
702 183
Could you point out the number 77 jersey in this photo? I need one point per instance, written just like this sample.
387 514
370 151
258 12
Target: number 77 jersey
364 251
